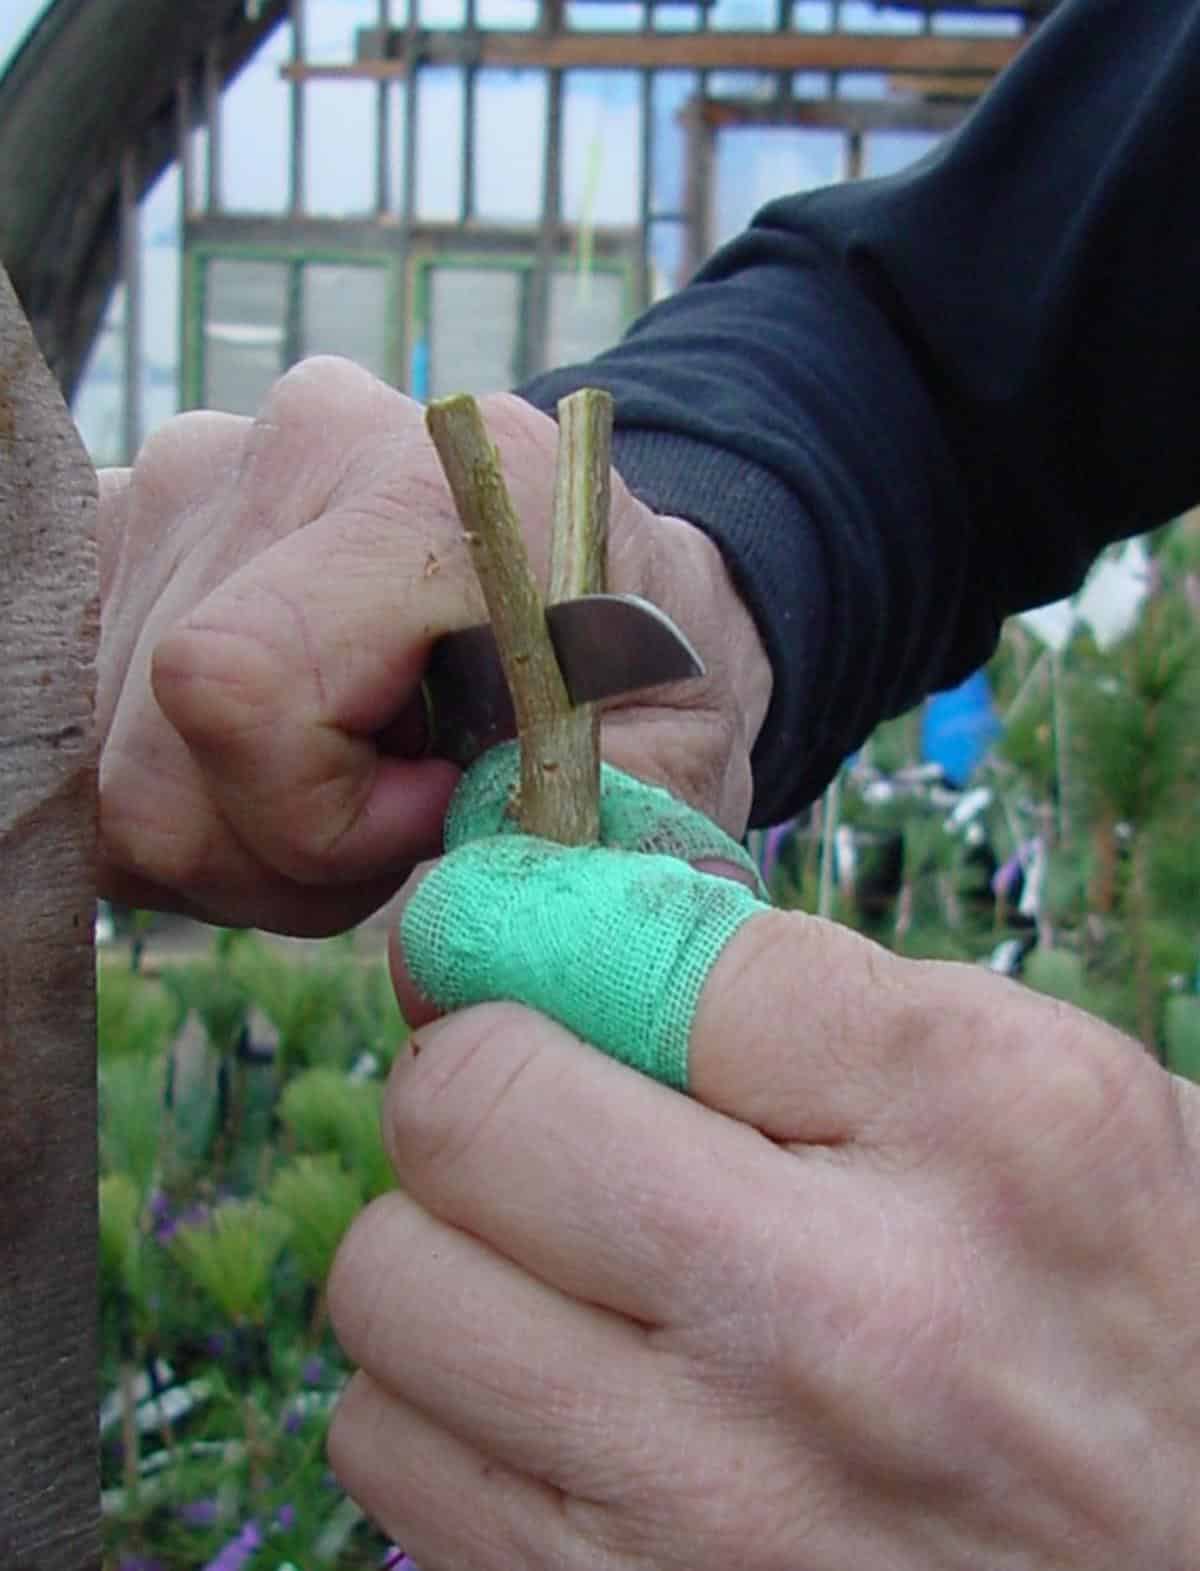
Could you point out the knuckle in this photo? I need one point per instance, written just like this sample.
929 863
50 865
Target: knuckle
341 1440
173 480
213 680
1091 1083
315 387
235 661
361 1289
689 752
183 450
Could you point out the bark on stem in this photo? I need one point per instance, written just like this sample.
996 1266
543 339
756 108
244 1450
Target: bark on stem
579 556
558 787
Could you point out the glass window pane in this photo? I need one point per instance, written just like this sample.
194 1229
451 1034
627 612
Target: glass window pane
587 313
604 16
864 16
601 147
256 132
974 22
343 311
740 84
754 166
331 27
519 15
244 332
675 17
671 91
442 13
510 144
339 148
814 16
397 118
99 396
864 84
160 301
439 142
474 316
884 152
668 259
742 15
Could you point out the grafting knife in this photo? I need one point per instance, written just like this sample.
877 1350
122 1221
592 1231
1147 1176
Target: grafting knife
606 645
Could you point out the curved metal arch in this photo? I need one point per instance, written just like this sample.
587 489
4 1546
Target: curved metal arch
92 81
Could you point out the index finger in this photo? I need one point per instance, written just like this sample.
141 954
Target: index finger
280 678
614 1189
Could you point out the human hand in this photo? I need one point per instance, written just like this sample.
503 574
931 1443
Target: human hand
908 1283
270 591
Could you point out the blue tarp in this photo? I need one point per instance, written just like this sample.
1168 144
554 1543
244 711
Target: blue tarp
958 727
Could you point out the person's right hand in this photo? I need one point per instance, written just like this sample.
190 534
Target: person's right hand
270 592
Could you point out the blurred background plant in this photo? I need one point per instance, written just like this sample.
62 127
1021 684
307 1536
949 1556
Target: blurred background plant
1048 828
240 1096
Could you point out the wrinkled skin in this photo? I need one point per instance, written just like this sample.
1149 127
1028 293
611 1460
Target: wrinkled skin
912 1284
270 592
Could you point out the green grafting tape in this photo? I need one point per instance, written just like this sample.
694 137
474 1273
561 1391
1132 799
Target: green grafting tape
614 944
634 816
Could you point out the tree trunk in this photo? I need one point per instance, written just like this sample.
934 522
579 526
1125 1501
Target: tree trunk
49 1498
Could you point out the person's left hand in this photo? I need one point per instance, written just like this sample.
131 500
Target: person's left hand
908 1284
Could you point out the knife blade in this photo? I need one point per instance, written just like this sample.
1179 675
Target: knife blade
606 645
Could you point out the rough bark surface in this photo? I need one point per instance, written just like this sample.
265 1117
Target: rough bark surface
49 1499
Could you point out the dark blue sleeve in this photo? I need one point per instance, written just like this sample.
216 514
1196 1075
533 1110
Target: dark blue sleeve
905 408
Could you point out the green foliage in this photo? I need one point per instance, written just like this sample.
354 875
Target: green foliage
320 1199
216 1238
928 940
134 1018
379 1026
1182 1035
131 1104
325 1112
1059 974
896 743
1027 744
196 1075
1174 873
1064 897
304 1001
120 1235
1134 717
230 1257
211 990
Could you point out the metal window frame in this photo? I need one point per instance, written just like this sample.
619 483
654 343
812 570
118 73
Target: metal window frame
295 256
529 264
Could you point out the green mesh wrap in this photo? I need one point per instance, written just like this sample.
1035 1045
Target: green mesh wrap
614 942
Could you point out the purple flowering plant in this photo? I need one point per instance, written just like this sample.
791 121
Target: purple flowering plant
236 1148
